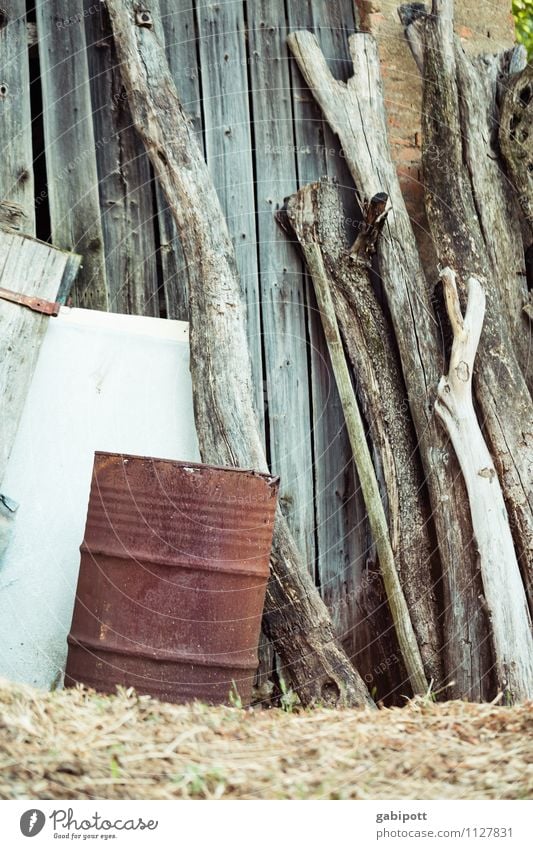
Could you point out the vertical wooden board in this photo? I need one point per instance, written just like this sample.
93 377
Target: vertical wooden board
282 282
342 532
228 146
70 151
178 25
16 168
28 267
124 179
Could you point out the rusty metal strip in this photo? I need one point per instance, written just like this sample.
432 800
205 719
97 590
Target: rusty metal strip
32 303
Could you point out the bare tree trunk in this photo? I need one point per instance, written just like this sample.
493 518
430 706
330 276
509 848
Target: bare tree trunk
504 592
469 222
315 215
295 617
356 112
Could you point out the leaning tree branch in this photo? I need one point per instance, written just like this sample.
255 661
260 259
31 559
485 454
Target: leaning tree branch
503 590
355 111
314 215
299 211
228 432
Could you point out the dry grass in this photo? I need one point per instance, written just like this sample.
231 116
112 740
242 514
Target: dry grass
77 744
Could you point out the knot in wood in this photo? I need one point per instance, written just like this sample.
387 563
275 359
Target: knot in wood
144 19
4 89
462 371
490 474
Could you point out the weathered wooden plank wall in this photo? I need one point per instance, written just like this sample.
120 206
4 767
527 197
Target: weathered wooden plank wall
16 173
263 137
72 174
179 28
124 180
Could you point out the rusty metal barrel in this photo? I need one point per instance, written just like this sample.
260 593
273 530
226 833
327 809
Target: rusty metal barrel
174 566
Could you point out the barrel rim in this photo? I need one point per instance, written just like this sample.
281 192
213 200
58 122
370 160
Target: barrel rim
271 480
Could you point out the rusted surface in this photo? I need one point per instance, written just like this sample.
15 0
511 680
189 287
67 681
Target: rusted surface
31 302
172 580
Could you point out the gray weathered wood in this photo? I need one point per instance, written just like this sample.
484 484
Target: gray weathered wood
356 112
302 213
456 182
181 49
70 153
227 425
316 215
16 168
502 582
228 149
344 547
282 286
124 179
29 267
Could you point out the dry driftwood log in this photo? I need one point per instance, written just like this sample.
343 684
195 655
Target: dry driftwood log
356 112
502 584
471 226
315 216
295 617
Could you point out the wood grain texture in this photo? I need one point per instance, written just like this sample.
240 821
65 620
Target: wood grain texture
282 285
228 430
315 212
303 213
178 25
16 168
344 546
460 191
355 110
29 267
228 149
124 180
70 146
504 593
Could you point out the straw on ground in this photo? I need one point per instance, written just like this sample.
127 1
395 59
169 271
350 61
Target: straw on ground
76 744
